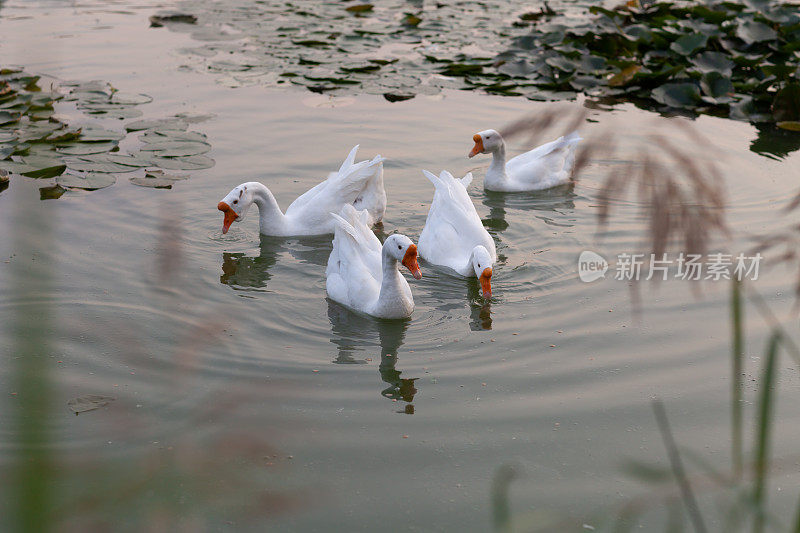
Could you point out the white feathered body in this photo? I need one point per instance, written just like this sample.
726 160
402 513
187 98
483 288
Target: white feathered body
453 228
546 166
360 275
357 184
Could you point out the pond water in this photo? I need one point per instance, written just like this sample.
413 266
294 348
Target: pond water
372 425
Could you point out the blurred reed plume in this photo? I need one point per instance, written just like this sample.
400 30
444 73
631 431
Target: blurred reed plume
681 195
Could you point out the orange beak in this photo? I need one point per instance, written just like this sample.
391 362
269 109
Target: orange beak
230 216
486 283
478 148
410 262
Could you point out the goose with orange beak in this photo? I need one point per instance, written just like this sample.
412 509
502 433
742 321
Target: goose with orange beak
357 184
454 236
547 166
364 275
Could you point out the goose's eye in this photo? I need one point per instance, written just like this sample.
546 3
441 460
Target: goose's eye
399 246
236 201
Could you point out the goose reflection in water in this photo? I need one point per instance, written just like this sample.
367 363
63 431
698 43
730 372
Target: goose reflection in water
556 199
352 333
244 272
480 313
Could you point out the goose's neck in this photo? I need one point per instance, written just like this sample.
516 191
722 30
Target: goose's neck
392 297
497 170
272 221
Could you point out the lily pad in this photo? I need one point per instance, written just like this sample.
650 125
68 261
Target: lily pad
97 165
679 95
786 105
162 124
90 402
7 117
159 136
139 160
53 192
718 88
89 181
688 44
713 62
751 32
158 179
96 134
86 148
194 162
35 167
176 148
130 98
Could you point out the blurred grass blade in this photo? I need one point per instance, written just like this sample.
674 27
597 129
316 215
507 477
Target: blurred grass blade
765 409
797 520
33 474
737 356
501 508
677 467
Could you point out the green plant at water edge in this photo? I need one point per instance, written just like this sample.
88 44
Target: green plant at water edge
31 401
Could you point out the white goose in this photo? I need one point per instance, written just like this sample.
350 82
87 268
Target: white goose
363 275
543 167
454 235
358 184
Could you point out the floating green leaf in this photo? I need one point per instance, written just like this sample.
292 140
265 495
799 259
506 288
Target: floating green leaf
786 105
98 164
161 124
687 44
7 117
718 88
158 179
678 95
713 62
89 181
86 148
751 32
195 162
52 192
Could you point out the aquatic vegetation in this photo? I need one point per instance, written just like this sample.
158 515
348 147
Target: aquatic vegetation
36 142
732 59
737 60
393 48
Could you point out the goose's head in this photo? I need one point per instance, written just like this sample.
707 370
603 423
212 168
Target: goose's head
401 248
486 142
482 265
235 205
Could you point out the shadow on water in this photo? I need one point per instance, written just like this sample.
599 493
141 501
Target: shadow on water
774 142
243 272
352 333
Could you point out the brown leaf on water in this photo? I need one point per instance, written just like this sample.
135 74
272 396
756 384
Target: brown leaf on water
360 8
624 76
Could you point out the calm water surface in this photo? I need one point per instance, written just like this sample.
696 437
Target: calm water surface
376 425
